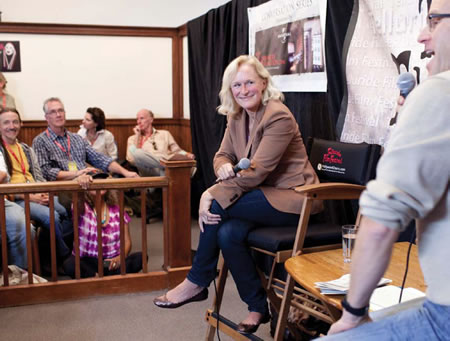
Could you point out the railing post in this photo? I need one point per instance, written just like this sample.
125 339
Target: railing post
177 213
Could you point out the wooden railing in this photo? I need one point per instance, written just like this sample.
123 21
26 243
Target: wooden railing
176 239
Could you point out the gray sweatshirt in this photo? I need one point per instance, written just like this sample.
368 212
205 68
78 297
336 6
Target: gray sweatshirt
413 181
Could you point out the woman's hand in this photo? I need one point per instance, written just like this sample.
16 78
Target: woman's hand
225 172
114 263
40 198
204 215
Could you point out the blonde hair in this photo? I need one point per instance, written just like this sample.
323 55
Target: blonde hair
228 105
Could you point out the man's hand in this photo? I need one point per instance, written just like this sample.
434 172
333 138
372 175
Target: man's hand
129 174
225 172
191 156
84 181
137 130
400 102
346 322
204 215
85 171
39 198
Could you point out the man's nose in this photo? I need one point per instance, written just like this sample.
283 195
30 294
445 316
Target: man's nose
424 35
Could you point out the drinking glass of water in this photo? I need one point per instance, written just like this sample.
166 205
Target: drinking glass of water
348 241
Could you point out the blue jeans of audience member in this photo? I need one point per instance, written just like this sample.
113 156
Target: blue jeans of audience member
41 215
429 322
252 210
16 234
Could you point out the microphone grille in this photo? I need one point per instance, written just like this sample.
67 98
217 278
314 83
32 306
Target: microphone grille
244 163
406 82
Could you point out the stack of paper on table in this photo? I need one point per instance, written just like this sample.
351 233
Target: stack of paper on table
341 285
389 295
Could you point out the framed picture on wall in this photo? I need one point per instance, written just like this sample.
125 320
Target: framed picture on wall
10 56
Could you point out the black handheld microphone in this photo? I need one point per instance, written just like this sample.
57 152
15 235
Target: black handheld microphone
405 82
243 163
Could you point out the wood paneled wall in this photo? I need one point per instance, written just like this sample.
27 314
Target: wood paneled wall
121 129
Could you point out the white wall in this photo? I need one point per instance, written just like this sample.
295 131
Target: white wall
113 73
146 83
155 13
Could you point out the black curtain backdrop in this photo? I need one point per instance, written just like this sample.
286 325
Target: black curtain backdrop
221 35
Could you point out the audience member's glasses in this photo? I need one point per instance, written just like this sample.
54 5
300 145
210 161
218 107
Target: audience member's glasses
154 145
56 111
434 19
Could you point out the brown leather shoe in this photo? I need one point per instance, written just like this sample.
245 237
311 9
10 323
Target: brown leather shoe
251 328
165 303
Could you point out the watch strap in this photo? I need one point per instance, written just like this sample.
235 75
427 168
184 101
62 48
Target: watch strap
355 311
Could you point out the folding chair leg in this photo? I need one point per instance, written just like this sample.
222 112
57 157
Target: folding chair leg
274 300
221 280
284 310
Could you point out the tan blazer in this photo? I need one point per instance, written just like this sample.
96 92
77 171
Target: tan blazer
278 157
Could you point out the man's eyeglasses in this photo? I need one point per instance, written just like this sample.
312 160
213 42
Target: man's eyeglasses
55 111
434 19
154 145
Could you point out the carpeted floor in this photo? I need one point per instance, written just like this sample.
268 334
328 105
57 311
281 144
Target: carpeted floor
122 317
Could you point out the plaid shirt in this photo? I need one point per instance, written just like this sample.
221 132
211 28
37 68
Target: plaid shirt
53 159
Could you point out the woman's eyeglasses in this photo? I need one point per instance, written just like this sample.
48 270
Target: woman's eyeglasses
434 19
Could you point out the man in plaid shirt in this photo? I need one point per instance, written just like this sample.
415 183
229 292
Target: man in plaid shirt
63 155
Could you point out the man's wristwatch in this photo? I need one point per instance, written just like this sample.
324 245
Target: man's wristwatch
355 311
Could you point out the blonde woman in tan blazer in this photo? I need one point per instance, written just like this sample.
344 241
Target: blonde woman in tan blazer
262 129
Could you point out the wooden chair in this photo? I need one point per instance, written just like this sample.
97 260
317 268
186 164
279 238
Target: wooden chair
343 169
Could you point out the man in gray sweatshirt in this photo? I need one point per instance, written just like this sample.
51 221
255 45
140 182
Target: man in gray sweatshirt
412 183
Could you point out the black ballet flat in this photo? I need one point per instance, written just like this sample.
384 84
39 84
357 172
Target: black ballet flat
165 303
251 328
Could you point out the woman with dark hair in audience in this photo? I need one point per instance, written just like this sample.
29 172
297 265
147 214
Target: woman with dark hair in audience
6 100
93 130
261 128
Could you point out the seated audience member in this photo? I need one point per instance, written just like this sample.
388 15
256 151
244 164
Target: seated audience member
63 155
22 167
93 130
6 100
15 226
412 182
87 225
148 146
261 127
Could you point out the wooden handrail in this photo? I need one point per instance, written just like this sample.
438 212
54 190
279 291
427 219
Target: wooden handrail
177 239
66 186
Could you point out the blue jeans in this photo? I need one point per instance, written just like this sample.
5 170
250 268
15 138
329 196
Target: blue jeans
41 215
16 234
429 322
251 211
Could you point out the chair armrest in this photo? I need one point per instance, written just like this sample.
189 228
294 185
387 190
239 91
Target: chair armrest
331 191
